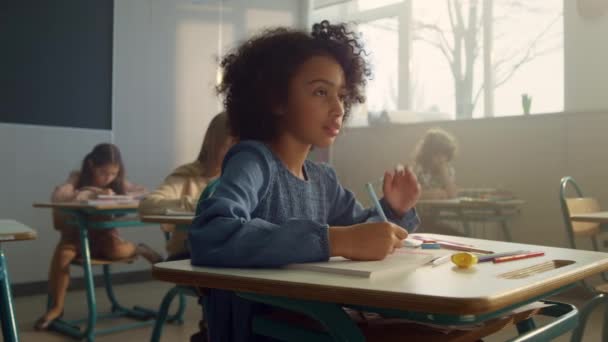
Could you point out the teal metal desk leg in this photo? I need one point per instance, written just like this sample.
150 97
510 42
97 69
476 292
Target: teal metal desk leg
585 312
525 326
163 313
505 225
466 225
88 276
9 325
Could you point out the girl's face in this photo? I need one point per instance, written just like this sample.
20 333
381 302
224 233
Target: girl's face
315 105
439 160
104 175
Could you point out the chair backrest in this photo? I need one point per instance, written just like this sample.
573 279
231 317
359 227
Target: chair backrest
583 205
577 205
209 190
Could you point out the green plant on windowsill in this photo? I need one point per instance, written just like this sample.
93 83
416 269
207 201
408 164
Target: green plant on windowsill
526 103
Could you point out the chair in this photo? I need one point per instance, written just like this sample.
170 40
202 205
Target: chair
578 205
316 321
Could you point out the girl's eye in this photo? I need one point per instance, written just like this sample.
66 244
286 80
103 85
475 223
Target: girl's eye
342 97
321 92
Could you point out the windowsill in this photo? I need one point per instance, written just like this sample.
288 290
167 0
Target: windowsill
539 116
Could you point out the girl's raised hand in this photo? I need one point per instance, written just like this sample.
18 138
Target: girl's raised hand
401 189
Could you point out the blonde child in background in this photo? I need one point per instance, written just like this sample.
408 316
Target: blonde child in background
433 168
102 173
181 189
433 157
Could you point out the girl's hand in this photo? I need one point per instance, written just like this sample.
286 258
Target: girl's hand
107 191
366 241
401 189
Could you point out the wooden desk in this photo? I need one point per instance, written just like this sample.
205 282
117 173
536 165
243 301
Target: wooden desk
443 289
466 211
10 230
470 203
599 217
178 220
86 206
181 222
87 217
440 295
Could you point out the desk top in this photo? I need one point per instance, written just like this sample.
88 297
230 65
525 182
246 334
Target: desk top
168 219
11 230
443 289
87 206
470 203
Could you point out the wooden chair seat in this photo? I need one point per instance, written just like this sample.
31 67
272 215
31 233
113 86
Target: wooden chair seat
602 288
94 261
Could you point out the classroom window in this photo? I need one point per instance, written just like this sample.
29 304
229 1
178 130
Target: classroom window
444 60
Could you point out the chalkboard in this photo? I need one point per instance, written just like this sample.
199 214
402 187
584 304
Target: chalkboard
56 62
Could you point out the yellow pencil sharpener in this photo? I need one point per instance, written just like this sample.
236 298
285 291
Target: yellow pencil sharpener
464 260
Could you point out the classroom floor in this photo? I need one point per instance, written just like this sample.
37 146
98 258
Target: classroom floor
149 294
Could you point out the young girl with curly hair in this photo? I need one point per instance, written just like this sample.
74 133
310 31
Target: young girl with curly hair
286 91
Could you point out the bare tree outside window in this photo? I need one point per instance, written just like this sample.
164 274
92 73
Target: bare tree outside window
460 42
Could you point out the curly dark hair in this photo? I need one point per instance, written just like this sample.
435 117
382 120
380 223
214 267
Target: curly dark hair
256 74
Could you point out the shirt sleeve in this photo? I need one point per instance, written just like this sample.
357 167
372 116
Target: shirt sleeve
226 235
169 195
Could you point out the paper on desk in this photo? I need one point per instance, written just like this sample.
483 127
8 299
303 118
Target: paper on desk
173 212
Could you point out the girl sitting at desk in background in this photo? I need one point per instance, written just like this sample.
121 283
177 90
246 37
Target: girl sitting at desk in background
181 189
432 164
102 173
286 91
433 156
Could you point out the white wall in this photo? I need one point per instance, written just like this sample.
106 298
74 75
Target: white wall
164 73
586 53
527 155
33 160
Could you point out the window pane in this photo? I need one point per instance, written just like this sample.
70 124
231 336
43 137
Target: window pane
380 39
371 4
441 86
529 33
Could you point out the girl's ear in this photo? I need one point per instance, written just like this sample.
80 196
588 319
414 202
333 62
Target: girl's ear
279 111
279 108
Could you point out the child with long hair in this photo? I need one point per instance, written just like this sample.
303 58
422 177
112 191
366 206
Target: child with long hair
182 188
102 173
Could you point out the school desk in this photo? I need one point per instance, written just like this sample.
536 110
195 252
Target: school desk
442 295
467 211
10 231
181 222
99 216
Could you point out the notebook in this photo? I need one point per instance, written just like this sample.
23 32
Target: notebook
113 200
173 212
401 262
